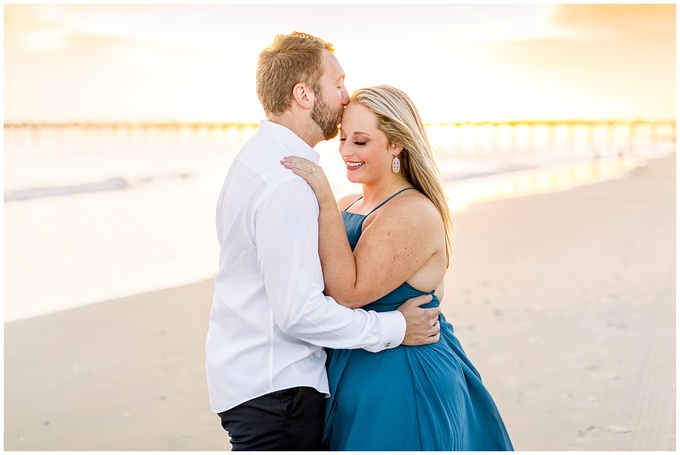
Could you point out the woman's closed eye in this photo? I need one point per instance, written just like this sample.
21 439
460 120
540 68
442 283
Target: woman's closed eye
343 139
360 139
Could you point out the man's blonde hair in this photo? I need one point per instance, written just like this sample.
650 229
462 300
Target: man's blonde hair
289 60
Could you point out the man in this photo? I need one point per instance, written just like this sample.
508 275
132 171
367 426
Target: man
269 319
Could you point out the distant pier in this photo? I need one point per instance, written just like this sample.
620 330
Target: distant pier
593 138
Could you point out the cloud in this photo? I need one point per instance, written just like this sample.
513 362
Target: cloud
103 61
27 29
614 61
628 21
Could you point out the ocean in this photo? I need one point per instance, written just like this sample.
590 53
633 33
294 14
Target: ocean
98 212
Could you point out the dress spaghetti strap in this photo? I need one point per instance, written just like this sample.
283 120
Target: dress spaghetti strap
357 200
382 203
389 198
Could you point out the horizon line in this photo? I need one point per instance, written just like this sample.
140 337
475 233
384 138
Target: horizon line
232 124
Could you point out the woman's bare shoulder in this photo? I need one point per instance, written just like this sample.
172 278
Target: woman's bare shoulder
414 211
416 206
407 212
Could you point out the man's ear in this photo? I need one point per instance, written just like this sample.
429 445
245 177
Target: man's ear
303 95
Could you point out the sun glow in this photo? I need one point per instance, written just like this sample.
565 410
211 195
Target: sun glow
458 62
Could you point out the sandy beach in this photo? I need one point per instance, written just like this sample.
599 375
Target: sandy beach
565 302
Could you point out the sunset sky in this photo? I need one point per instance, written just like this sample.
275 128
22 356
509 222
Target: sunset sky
459 62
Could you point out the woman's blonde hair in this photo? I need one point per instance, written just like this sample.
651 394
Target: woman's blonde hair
399 119
289 60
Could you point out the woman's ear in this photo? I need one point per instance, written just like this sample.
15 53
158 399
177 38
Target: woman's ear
303 95
396 149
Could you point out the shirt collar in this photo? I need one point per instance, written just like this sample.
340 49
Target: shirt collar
292 140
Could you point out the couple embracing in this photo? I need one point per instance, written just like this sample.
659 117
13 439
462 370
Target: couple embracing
325 331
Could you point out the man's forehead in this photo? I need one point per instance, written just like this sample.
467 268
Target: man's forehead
332 67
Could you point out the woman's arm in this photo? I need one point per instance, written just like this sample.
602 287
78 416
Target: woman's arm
335 252
397 241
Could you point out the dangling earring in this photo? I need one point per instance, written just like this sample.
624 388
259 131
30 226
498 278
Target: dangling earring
396 165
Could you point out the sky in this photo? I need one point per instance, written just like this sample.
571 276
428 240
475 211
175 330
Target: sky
459 62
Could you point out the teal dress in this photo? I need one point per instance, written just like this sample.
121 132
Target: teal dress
408 398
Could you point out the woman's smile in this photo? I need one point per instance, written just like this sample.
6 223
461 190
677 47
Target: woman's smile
353 165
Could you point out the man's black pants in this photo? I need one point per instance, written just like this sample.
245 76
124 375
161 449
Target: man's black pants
290 419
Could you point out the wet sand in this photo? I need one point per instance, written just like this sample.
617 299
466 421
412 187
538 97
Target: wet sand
565 302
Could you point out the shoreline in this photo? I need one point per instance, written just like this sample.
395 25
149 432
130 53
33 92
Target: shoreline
564 301
86 278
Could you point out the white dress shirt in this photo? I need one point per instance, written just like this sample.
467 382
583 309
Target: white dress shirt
269 316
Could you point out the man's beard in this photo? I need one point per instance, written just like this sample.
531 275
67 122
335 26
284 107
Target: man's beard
325 117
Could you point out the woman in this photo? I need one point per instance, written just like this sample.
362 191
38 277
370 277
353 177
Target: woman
389 244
